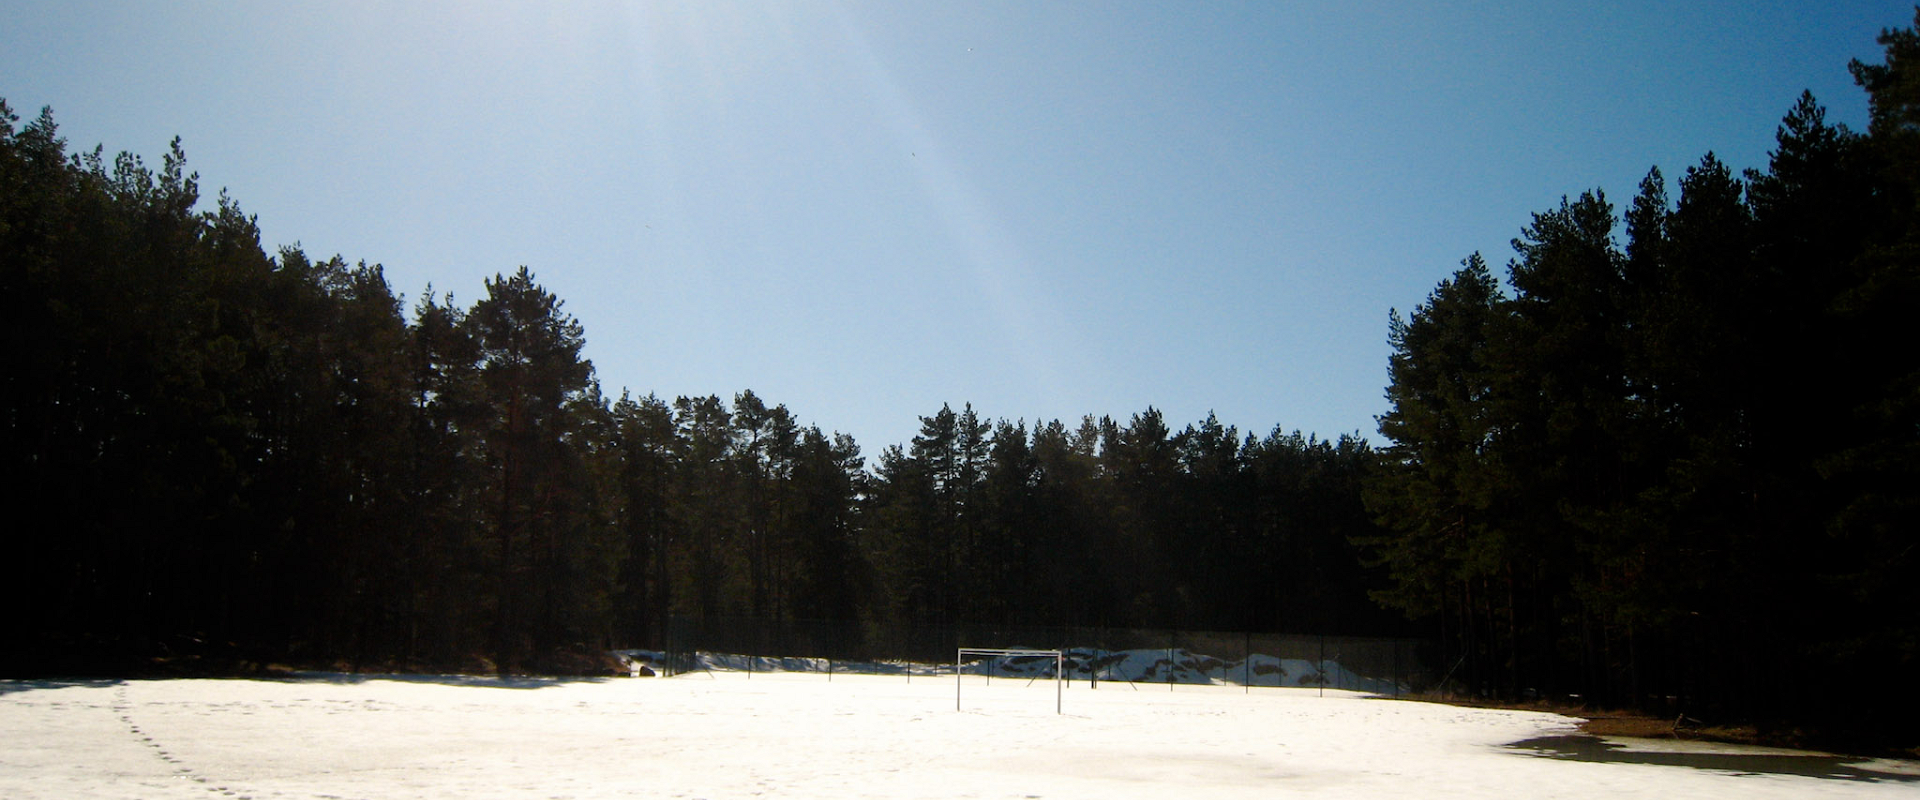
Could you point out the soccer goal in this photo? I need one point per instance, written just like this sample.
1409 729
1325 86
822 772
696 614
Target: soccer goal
993 656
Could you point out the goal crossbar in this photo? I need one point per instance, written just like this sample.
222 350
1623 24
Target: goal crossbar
1059 668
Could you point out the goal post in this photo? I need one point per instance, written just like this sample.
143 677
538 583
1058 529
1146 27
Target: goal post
994 653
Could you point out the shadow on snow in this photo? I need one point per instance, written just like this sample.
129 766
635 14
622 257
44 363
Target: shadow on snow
1729 758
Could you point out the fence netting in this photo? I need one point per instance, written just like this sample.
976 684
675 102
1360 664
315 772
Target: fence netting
1140 657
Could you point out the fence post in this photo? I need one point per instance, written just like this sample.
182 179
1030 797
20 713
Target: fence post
1396 669
1169 660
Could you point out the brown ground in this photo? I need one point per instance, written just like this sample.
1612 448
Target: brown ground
1645 727
1600 722
1607 722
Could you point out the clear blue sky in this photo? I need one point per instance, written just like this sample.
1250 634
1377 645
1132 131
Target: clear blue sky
865 210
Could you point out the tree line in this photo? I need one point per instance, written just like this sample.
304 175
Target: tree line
1672 462
209 446
1120 525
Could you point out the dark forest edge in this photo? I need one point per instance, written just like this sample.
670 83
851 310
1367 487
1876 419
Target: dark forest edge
1680 473
1674 474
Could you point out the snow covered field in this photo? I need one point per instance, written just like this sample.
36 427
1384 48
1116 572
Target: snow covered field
723 735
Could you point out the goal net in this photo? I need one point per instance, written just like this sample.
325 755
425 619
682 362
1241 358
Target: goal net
1015 663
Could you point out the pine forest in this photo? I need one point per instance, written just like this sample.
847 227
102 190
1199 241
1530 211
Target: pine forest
1667 457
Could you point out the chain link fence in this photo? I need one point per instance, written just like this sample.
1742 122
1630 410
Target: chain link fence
1385 666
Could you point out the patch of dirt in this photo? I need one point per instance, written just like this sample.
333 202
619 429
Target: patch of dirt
1615 722
1646 727
1607 722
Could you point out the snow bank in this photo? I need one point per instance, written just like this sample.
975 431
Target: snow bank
1134 666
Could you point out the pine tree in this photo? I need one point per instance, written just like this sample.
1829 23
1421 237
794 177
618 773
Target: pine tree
531 371
1435 492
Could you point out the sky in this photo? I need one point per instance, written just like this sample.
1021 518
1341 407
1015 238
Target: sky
868 210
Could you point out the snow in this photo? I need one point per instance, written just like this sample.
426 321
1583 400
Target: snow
721 734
